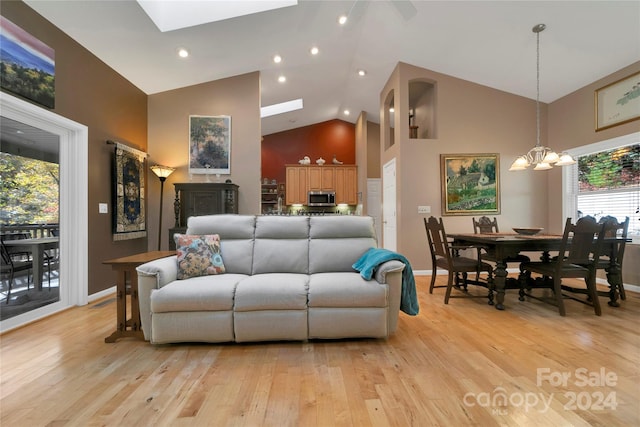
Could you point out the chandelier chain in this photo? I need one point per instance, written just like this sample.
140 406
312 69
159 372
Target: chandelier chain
537 89
542 157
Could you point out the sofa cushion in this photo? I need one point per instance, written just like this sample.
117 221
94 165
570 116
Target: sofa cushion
346 290
281 245
336 242
198 255
206 293
273 291
236 236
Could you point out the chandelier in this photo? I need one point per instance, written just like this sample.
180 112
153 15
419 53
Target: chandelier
541 157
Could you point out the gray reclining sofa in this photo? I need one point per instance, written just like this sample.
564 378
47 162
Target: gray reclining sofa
286 278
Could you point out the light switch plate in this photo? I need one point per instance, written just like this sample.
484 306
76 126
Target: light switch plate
424 209
103 208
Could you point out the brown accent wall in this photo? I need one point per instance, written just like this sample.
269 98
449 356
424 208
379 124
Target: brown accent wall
91 93
319 140
238 97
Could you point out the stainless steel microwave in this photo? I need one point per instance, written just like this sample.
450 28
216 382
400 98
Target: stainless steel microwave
321 198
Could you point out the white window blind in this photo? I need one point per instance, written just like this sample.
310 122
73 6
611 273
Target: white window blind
608 183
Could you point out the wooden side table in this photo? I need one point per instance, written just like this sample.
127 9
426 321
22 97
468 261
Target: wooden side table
126 267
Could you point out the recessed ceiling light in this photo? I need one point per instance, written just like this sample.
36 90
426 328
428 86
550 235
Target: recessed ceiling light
362 73
183 53
314 50
346 112
282 79
391 110
277 59
342 20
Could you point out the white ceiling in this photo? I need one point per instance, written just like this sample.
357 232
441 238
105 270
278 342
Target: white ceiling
490 43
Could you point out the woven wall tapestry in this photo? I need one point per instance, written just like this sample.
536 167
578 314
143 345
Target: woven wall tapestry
129 219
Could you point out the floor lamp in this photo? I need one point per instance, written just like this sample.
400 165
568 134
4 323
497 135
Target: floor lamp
163 172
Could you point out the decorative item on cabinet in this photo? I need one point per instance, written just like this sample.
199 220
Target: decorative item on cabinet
320 161
194 199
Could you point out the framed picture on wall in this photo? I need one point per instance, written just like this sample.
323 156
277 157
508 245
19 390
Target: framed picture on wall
210 145
618 102
470 183
28 65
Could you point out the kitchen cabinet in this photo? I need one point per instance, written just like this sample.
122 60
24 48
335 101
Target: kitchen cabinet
322 178
343 179
193 199
297 185
346 185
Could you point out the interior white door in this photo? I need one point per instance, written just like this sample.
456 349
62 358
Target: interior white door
374 204
389 240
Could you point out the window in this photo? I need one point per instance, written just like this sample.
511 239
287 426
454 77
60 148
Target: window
606 181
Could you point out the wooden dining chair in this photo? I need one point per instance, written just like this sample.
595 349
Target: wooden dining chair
484 225
615 255
9 267
578 257
446 256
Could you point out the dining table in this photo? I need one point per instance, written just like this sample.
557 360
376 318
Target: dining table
36 247
501 246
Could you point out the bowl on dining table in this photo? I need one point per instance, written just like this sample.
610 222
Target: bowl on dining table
527 231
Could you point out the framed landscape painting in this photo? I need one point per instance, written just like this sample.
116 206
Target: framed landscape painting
470 184
210 144
618 102
28 65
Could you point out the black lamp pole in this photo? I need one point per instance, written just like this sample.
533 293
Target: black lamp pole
162 172
162 180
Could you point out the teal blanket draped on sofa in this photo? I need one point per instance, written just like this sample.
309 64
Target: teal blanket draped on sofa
373 257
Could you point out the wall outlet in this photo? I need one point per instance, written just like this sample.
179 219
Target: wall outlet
103 208
424 209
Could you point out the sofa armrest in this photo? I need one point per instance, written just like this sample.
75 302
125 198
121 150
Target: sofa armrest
392 266
390 273
153 275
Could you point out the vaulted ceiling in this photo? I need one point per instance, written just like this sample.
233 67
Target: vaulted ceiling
486 42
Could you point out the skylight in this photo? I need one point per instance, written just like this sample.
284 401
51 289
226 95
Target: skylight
283 107
176 14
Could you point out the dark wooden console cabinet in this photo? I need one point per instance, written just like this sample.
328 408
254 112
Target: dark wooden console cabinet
204 198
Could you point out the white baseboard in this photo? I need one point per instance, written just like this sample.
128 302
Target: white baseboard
102 294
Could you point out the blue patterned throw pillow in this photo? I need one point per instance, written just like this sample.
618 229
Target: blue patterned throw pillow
198 255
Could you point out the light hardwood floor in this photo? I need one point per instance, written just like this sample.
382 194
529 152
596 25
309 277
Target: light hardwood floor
452 365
